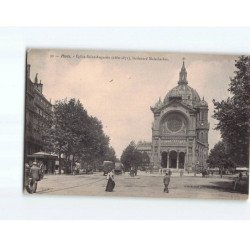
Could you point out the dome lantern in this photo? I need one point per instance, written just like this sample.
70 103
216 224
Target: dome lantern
183 92
183 74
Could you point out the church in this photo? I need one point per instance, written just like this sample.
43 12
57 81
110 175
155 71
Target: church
180 128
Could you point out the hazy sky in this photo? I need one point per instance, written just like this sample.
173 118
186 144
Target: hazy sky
119 92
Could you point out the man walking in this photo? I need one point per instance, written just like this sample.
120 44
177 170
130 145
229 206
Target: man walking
166 181
35 175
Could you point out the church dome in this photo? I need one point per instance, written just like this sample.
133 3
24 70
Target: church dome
183 92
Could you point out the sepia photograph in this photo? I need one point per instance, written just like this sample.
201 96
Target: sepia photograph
122 119
136 124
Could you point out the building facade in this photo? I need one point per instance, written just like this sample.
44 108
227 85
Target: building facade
38 114
144 147
180 128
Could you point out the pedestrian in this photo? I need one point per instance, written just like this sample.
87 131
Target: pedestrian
35 176
26 175
195 169
160 171
240 176
203 172
136 170
132 172
181 173
77 167
27 178
221 173
41 166
166 181
111 183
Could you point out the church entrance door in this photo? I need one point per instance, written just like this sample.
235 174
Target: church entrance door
164 159
173 159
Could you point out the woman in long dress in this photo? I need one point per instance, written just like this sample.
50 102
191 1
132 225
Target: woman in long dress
111 183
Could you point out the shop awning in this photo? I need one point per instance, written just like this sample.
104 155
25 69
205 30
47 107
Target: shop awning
43 155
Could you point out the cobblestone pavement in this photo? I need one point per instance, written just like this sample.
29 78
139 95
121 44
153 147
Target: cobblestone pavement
143 185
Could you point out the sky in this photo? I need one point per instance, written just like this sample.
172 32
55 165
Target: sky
118 87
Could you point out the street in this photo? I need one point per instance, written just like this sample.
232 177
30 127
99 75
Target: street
142 185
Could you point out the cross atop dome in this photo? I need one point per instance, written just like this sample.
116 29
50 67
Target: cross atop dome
183 73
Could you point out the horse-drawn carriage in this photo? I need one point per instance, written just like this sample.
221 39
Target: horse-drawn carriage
119 168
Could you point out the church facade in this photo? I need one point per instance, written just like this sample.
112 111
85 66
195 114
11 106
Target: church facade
180 128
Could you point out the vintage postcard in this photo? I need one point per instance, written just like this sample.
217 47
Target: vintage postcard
136 124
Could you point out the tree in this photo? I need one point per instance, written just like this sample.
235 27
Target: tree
76 134
110 155
98 148
233 113
68 129
219 157
145 159
131 157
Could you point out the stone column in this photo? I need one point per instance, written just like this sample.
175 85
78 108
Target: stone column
193 153
153 151
177 160
159 152
186 156
168 160
184 166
